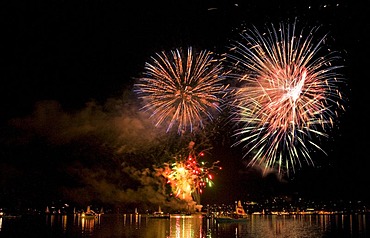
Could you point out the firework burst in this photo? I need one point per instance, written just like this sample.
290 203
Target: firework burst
188 176
181 88
288 94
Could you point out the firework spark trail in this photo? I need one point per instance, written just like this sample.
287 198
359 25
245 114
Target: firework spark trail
289 94
182 88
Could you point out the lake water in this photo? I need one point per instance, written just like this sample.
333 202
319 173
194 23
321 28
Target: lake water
141 226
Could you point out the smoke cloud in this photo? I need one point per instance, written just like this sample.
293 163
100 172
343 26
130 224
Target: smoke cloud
98 154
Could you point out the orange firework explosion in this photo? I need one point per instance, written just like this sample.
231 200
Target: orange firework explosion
188 177
181 89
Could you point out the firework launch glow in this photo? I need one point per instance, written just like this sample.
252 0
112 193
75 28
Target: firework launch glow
188 177
288 94
182 88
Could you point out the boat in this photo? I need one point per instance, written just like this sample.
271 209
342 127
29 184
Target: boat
89 213
239 210
159 214
10 215
47 210
229 219
239 215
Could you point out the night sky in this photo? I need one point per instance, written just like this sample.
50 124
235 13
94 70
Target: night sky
70 127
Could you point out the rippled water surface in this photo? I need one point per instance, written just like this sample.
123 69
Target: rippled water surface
196 226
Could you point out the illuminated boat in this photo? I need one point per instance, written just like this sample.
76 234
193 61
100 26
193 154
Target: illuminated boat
239 215
89 213
8 214
229 219
159 214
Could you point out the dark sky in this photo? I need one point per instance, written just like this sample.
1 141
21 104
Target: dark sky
65 66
